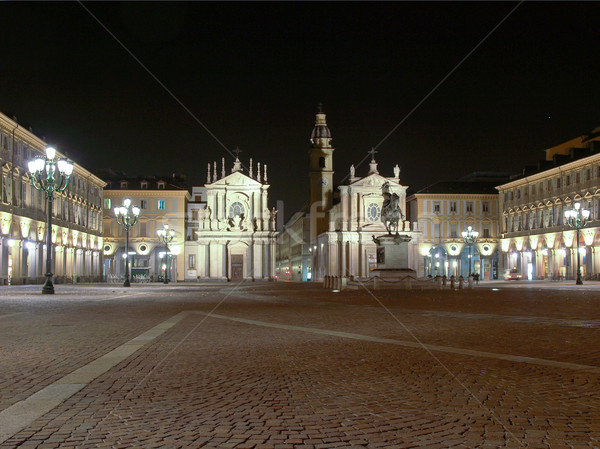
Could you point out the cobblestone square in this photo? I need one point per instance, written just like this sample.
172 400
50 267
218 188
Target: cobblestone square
284 365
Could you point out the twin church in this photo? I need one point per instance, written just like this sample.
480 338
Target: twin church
232 234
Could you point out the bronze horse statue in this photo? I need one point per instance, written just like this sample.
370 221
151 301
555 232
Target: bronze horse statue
391 213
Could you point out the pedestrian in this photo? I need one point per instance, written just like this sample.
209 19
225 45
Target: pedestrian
476 277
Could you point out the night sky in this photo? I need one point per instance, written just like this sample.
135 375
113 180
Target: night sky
253 73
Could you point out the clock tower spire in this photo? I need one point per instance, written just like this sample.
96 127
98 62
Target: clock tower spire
321 171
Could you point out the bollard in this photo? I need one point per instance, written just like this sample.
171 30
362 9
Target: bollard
439 282
452 282
460 282
444 280
470 284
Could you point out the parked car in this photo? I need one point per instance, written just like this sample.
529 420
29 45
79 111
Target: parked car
512 275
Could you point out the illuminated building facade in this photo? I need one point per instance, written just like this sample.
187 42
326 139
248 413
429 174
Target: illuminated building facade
231 230
162 201
334 235
535 239
442 212
76 221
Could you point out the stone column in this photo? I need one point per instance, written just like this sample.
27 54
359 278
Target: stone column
354 205
344 202
263 206
342 257
17 261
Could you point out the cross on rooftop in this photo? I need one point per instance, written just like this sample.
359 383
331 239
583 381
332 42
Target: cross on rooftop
237 152
372 153
320 108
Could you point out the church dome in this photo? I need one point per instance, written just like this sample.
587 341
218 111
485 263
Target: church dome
320 136
320 131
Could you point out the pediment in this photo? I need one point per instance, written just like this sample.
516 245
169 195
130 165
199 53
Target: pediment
372 180
236 179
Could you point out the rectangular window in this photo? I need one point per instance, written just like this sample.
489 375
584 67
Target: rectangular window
161 204
518 193
588 174
192 261
436 230
485 207
144 185
143 204
436 206
486 231
533 190
577 179
568 180
453 230
549 186
453 206
469 206
558 183
107 203
143 229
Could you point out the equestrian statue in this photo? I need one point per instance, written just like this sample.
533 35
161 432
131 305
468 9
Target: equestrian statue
391 213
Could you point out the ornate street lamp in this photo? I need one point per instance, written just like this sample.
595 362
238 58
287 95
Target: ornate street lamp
577 218
166 235
127 216
50 176
470 237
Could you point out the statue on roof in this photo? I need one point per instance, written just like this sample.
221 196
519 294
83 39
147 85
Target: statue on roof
391 213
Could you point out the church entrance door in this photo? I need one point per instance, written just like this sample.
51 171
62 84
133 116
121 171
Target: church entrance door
237 268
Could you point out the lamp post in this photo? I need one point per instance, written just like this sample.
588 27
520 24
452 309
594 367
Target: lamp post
577 218
470 237
50 176
127 216
166 235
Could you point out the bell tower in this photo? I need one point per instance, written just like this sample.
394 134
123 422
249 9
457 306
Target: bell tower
321 171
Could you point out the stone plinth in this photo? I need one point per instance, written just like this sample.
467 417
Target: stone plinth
392 262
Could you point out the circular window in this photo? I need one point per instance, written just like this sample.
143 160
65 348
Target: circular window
107 248
235 209
373 212
143 248
486 248
453 248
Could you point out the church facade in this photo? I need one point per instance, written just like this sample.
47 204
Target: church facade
342 222
231 233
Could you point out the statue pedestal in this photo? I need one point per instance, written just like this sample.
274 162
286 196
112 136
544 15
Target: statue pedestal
392 262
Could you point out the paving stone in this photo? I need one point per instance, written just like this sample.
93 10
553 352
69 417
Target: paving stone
211 382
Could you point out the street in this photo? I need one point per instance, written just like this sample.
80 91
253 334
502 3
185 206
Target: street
287 365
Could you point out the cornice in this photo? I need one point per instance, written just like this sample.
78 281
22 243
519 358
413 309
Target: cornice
445 196
551 172
137 193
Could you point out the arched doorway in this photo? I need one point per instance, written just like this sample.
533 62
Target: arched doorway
437 262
